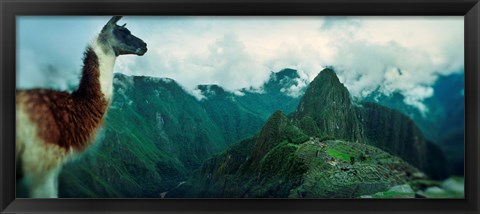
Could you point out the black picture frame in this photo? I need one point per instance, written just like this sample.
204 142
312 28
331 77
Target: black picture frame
9 9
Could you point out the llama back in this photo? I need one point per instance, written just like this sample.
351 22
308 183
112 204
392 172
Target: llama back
51 127
58 118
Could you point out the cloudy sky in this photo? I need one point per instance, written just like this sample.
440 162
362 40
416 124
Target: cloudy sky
393 54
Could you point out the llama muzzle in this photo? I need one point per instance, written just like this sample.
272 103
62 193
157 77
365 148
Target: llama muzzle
142 50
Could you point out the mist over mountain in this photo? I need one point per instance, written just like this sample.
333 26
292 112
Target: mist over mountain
328 110
443 124
327 148
285 139
236 119
156 133
282 91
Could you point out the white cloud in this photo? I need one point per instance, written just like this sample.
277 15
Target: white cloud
239 93
296 89
50 49
394 54
197 93
402 55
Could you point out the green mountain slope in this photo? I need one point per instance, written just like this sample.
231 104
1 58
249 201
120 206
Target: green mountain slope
443 123
327 148
160 141
295 167
326 110
155 134
274 94
394 132
233 119
327 103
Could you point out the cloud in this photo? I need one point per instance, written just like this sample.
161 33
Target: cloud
392 54
232 65
297 88
397 55
50 49
340 22
197 93
238 93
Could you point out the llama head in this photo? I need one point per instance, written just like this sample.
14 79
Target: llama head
120 39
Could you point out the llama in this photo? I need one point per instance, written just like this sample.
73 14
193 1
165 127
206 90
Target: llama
54 126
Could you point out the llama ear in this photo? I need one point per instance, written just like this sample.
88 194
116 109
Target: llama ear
113 21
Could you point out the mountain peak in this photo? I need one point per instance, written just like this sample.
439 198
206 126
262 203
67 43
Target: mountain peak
212 90
327 102
212 87
270 134
327 75
286 82
287 72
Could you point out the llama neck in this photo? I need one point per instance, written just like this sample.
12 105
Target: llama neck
97 74
106 63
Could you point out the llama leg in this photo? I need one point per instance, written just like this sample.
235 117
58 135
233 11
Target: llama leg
45 185
41 165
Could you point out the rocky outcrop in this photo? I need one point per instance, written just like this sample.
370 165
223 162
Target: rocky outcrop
327 102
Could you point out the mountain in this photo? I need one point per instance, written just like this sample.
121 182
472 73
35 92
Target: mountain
286 81
234 121
160 141
283 162
451 138
327 103
396 133
277 130
156 134
443 123
242 114
328 147
282 91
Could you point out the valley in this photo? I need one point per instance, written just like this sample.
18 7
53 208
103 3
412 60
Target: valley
159 141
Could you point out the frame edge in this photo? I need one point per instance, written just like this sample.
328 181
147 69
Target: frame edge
472 19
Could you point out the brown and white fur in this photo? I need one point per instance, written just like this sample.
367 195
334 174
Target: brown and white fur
53 126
